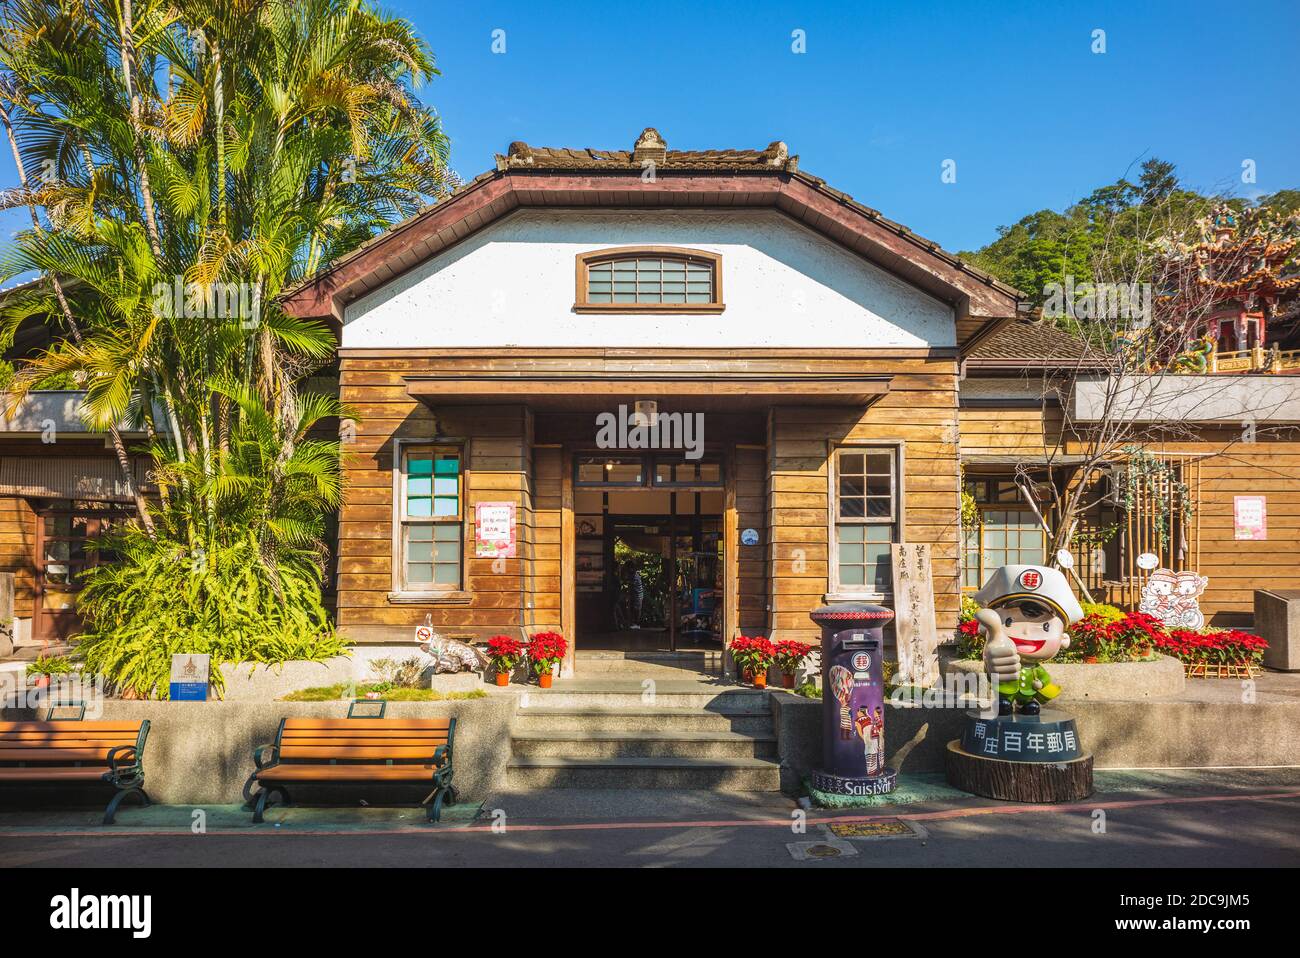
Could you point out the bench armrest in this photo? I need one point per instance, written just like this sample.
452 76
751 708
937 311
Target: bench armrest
260 751
124 768
441 756
115 756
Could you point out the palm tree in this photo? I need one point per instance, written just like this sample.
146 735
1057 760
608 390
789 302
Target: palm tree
199 146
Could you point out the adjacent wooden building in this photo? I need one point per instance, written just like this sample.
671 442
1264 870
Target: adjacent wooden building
1235 449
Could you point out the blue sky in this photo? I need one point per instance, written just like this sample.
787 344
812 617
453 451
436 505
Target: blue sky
885 92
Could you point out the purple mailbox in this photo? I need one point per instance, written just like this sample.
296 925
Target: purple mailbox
853 700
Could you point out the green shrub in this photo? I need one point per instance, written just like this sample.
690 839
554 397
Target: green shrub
1107 613
808 690
157 598
333 693
51 665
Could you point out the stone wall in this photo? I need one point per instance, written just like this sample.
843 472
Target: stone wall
1121 734
202 752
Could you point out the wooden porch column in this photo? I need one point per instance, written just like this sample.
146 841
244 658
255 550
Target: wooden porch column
568 563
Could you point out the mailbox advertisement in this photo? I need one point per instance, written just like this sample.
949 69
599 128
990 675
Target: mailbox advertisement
853 735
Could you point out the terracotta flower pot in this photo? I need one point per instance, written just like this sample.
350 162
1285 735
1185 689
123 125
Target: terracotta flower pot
760 680
41 682
1090 659
503 678
545 679
787 680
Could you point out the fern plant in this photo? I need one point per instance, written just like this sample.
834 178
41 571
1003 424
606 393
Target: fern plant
162 598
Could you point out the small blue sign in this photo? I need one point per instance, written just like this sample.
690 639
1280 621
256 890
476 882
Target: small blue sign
189 691
189 678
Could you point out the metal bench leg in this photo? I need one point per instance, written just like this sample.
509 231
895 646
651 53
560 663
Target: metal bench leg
111 812
264 799
445 795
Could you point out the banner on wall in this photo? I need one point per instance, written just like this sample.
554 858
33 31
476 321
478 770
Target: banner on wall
494 524
1249 517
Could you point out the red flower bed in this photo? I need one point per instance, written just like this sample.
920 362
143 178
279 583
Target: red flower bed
1136 636
1225 647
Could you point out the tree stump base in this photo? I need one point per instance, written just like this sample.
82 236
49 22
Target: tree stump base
1021 758
1035 782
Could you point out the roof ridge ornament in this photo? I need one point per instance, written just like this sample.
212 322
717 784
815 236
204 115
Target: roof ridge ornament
649 146
777 154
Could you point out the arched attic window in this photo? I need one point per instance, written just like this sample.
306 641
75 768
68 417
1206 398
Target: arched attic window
649 279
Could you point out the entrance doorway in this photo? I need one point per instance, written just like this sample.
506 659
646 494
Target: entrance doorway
649 571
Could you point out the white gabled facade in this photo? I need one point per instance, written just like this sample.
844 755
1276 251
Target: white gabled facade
513 285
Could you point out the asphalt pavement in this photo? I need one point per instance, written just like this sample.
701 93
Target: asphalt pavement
1200 818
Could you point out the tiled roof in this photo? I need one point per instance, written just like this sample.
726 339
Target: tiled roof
989 301
1029 340
650 147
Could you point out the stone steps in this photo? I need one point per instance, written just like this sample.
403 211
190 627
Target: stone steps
663 743
615 719
657 665
718 774
635 693
607 733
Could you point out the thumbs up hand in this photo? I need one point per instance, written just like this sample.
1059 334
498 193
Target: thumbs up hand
1001 660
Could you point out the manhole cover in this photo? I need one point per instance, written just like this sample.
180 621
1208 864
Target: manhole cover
815 851
823 851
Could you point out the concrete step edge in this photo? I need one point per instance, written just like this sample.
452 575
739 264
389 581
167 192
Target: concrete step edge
636 761
631 710
666 735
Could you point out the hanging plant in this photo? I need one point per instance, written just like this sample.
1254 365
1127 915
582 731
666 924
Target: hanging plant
1142 472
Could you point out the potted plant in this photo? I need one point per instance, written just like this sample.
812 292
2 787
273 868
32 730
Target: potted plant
754 656
545 651
46 667
504 653
788 657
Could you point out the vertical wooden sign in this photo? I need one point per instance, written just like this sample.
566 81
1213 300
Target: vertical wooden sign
914 626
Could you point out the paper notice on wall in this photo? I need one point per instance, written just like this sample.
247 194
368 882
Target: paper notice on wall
1249 517
915 632
494 524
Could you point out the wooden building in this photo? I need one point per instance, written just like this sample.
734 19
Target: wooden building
795 353
1237 438
61 488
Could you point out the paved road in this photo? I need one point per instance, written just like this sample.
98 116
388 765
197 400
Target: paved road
1194 821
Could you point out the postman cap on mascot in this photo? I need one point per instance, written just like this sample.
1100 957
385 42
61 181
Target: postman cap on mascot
1019 583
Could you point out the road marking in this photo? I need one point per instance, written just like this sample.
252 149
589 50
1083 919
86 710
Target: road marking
942 815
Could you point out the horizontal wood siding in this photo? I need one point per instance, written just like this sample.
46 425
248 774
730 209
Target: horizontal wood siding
752 561
496 469
17 542
1269 466
920 412
1013 431
1236 568
779 484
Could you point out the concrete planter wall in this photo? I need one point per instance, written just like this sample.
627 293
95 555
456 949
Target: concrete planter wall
202 752
249 682
1133 734
1104 681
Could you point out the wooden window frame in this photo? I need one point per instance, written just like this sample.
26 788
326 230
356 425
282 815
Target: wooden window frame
402 449
584 261
648 463
985 504
836 592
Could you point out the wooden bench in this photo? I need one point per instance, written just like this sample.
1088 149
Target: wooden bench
355 751
76 752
